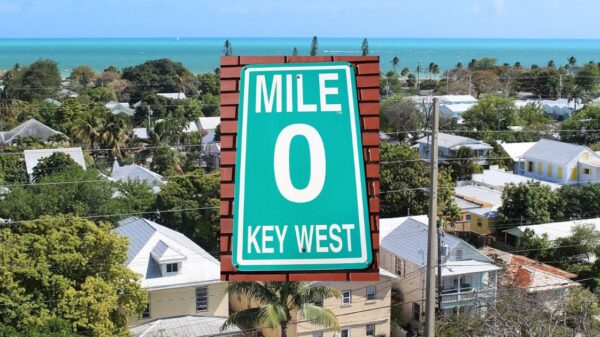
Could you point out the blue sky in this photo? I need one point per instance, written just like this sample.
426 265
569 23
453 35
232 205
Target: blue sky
301 18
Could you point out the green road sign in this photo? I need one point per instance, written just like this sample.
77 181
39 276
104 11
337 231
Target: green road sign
300 195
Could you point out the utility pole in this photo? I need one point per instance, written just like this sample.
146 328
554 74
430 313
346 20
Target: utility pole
470 85
560 86
439 267
418 77
432 248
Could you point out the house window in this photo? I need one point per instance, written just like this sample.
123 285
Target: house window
586 156
529 166
318 303
540 168
479 223
201 299
459 254
370 329
549 171
346 297
560 173
345 333
318 334
416 312
468 217
586 171
371 293
172 267
398 266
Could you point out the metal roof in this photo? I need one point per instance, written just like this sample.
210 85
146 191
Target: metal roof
408 238
30 128
185 326
448 141
452 268
555 152
172 95
161 253
135 172
32 157
209 123
197 268
479 193
498 178
554 230
516 150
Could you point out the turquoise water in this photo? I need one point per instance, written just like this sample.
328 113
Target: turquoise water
202 54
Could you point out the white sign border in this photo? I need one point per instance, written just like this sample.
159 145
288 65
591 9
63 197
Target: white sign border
240 216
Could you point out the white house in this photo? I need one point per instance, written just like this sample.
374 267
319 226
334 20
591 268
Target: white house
32 157
515 151
559 108
561 163
117 108
553 230
468 277
29 128
136 172
448 145
208 123
172 95
497 178
182 280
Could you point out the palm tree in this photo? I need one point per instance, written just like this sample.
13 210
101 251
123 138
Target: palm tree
395 62
115 135
405 71
430 69
295 52
551 64
436 69
277 300
314 46
365 47
459 65
227 48
88 128
572 63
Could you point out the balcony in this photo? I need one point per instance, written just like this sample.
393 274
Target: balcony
466 295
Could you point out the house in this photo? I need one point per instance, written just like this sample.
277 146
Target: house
138 173
362 310
449 144
53 102
532 276
141 133
553 230
515 151
479 209
561 163
208 123
455 105
497 178
118 108
560 108
186 326
182 280
172 95
29 128
468 276
32 157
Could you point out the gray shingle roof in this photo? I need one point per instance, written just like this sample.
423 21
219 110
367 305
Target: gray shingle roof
553 151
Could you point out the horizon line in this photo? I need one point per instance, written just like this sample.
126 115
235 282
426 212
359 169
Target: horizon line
295 37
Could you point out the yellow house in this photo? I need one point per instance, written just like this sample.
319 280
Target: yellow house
182 280
478 206
362 310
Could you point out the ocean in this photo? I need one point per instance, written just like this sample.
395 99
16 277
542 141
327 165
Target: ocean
202 54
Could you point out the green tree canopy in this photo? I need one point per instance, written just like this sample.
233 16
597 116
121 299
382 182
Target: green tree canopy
67 268
161 75
56 162
405 181
491 113
39 80
199 193
461 164
314 46
588 118
82 77
528 203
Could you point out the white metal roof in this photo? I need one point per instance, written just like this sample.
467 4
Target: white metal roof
209 123
198 268
479 193
172 95
555 152
29 128
191 127
185 326
448 141
554 230
32 157
135 172
452 268
457 99
455 110
141 133
497 178
516 150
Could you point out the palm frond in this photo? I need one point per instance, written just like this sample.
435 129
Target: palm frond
272 315
253 291
319 316
245 319
315 292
